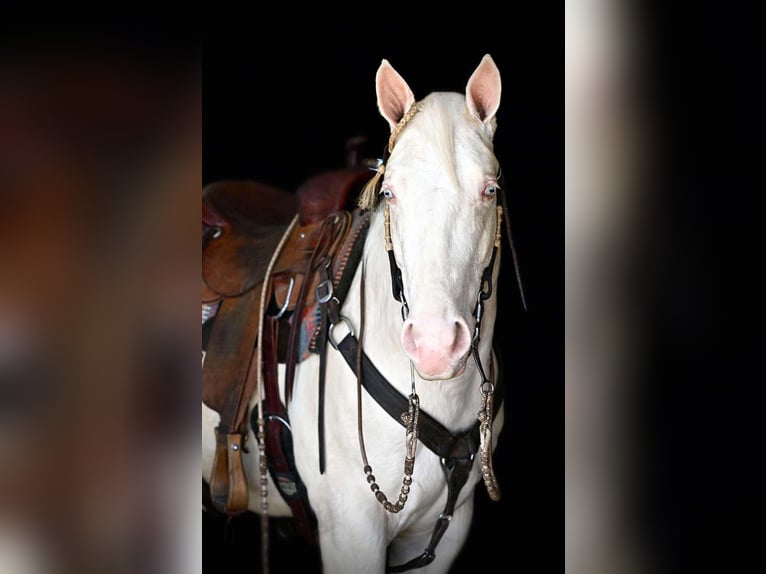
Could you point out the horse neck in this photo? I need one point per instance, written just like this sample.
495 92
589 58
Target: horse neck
454 402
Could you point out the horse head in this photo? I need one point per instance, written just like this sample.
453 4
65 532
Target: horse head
440 187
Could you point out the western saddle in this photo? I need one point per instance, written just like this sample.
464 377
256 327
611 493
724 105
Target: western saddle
319 234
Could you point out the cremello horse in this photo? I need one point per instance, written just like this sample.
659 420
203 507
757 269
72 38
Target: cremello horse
439 192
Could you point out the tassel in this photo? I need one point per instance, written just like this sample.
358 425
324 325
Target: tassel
369 196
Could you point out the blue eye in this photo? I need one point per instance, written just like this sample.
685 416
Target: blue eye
491 190
387 193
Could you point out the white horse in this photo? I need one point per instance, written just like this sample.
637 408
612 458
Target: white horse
439 189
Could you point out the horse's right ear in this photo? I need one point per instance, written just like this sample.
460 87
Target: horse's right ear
394 95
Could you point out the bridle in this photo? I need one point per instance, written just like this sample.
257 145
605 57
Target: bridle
457 468
486 386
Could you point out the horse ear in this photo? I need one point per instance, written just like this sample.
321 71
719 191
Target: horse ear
482 93
394 95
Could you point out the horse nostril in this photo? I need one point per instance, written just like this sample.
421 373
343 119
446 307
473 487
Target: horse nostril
456 338
409 340
462 338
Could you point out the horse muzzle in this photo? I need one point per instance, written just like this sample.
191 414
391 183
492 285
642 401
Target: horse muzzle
437 345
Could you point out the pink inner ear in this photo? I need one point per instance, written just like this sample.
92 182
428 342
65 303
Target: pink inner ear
483 97
394 95
483 91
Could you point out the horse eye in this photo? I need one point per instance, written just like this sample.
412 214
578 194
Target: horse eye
387 193
491 190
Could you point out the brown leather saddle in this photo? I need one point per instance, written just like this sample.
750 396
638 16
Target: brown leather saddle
243 224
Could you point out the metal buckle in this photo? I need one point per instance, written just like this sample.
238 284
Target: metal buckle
345 320
324 297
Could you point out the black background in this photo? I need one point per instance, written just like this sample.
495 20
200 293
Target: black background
698 410
281 111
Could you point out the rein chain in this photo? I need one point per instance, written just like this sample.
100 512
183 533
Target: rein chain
412 420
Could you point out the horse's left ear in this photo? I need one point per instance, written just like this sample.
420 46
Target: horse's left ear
482 93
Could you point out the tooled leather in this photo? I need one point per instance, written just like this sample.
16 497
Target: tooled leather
239 239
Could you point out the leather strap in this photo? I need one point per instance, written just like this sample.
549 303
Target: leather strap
228 484
346 263
456 473
322 350
325 239
324 261
279 446
433 434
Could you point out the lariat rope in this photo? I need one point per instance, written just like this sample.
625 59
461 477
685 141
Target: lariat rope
261 435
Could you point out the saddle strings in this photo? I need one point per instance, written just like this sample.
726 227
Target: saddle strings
261 435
